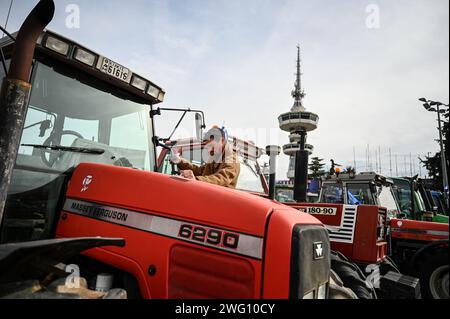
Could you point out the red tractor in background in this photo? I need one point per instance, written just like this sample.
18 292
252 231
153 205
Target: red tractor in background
360 250
419 248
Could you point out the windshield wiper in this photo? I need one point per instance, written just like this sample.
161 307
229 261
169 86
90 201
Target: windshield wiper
96 151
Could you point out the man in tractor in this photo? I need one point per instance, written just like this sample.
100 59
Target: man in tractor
222 165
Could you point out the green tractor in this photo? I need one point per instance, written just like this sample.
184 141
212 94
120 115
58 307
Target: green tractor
415 202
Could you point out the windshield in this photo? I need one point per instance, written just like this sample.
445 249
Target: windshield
284 195
69 109
439 202
359 194
403 192
65 112
249 180
332 193
387 200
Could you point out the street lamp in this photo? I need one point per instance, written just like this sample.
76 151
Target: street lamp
433 106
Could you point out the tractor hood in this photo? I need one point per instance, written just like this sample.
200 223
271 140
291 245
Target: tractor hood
110 187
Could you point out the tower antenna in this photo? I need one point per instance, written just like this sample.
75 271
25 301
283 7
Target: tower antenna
298 93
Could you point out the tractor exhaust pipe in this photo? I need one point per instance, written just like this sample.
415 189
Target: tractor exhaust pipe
15 92
25 44
273 151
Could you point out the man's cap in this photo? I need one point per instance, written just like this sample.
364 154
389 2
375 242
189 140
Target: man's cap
215 133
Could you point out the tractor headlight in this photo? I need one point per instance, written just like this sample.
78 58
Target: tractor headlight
84 56
153 91
57 45
139 83
161 96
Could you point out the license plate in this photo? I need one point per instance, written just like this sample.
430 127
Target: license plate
114 69
330 211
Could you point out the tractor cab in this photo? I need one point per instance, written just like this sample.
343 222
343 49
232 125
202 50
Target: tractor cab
360 189
284 191
439 202
84 108
251 177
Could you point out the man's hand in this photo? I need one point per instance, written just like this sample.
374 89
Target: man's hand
175 156
187 174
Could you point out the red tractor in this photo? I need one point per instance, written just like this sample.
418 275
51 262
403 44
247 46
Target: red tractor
419 248
359 243
78 167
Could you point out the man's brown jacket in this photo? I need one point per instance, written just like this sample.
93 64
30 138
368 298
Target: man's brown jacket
223 174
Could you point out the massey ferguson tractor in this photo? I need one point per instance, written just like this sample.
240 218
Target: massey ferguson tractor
80 193
419 248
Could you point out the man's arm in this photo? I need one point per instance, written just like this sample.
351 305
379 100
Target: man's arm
224 177
184 165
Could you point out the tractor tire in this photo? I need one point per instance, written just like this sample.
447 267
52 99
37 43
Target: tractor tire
337 290
434 276
388 265
352 277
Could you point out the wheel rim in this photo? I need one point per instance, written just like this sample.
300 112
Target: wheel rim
439 283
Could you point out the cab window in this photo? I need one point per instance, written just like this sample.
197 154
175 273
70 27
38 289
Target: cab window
387 200
332 194
359 194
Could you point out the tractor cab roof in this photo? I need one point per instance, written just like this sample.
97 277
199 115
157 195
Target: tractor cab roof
246 149
58 48
361 177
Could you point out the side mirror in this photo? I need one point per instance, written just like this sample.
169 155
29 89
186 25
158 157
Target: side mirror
402 216
45 125
373 188
199 126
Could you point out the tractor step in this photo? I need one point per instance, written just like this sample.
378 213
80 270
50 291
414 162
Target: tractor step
394 285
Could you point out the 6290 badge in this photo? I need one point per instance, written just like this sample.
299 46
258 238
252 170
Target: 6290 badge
209 236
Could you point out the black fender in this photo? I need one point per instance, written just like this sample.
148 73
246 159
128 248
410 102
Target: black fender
32 260
436 245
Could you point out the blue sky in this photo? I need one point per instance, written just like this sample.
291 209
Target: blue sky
236 61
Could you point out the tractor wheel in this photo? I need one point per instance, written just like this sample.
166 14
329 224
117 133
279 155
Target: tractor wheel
388 265
434 277
352 277
337 290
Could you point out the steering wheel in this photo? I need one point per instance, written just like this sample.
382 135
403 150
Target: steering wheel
54 155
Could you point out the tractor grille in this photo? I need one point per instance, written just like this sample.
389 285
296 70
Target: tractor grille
310 262
345 233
